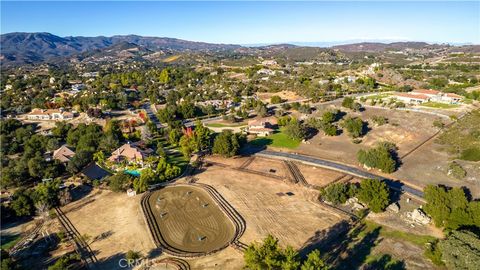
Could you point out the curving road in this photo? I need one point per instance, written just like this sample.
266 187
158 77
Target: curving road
394 184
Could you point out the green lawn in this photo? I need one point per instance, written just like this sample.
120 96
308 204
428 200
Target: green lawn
220 125
419 240
278 139
439 105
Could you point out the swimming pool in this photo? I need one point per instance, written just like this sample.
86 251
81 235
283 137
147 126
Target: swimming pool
135 173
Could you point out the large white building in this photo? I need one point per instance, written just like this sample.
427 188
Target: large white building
424 95
51 114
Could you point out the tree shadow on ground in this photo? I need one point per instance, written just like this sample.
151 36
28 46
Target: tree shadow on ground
152 254
324 240
80 192
356 255
116 261
385 262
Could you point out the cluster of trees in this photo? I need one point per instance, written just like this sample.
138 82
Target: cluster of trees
22 152
268 255
374 193
350 103
195 140
326 122
382 157
451 208
26 201
227 143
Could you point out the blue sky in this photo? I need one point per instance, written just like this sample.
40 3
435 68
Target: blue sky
251 22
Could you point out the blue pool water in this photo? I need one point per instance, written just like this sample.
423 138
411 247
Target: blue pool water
135 173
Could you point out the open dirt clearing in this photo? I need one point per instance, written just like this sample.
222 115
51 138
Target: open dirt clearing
318 176
114 223
266 207
269 166
189 220
405 129
285 95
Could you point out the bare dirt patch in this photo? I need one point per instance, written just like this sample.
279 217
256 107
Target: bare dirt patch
318 176
266 207
114 223
269 166
285 95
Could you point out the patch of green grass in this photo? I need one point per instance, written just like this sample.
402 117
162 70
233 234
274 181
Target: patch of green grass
439 105
471 154
9 240
419 240
278 139
220 125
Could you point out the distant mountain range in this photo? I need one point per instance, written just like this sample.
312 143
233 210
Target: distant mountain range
22 48
31 48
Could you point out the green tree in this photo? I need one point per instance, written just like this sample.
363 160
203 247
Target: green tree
336 193
354 127
119 182
375 194
461 250
275 99
314 262
291 259
266 255
164 76
381 157
22 203
226 144
295 130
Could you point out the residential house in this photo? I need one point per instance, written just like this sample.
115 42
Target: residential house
50 114
411 98
269 62
132 153
64 154
262 127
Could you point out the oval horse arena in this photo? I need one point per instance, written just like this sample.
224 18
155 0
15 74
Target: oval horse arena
191 220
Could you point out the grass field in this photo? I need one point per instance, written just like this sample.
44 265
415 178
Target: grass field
463 138
189 220
419 240
438 105
171 58
278 139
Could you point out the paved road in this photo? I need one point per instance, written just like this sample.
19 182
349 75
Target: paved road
394 184
153 117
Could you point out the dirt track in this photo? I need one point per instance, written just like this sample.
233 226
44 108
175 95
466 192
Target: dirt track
190 220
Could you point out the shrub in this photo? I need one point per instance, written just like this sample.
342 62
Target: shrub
276 100
336 193
456 170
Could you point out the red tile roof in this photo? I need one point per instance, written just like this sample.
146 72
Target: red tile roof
418 96
426 91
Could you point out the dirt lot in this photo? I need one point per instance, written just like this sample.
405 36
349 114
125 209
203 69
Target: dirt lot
115 224
233 162
318 176
269 166
293 219
405 129
285 95
429 165
190 220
